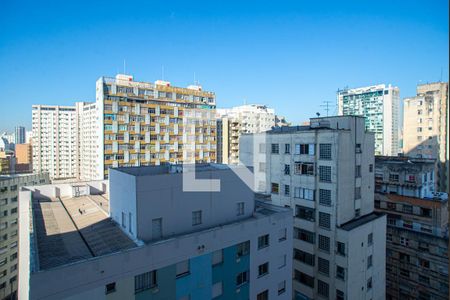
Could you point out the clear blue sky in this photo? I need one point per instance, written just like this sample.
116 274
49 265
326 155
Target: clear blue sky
288 55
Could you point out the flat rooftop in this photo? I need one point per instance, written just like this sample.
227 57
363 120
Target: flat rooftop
69 229
403 160
361 221
170 169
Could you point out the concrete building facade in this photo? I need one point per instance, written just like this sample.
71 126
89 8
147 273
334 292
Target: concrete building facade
379 104
324 172
9 191
54 140
24 158
233 122
425 128
417 228
141 237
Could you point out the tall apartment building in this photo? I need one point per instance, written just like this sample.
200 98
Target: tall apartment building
151 240
54 140
145 124
233 122
379 104
19 135
425 128
324 171
9 191
417 228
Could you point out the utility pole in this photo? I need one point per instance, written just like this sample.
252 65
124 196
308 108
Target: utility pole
326 105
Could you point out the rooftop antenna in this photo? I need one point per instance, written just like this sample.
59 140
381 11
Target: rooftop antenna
326 105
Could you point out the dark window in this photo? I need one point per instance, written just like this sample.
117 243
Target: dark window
287 148
303 168
275 148
304 235
304 257
304 278
275 188
110 288
323 288
305 213
340 272
263 241
263 269
263 295
325 151
324 243
340 248
145 281
325 197
324 220
323 266
325 173
287 169
242 278
243 249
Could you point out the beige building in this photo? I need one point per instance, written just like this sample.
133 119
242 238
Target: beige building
425 128
24 158
417 228
9 190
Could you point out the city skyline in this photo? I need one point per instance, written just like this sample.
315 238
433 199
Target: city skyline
289 59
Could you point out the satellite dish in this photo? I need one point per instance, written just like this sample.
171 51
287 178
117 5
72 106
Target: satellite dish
318 114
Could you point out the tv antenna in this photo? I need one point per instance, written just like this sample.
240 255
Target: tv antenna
326 105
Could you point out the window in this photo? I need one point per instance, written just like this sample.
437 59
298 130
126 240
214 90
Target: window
371 168
304 257
324 220
182 268
217 257
325 197
407 209
424 263
325 173
110 288
240 208
323 266
424 279
325 151
263 269
263 295
275 148
369 261
304 149
303 193
404 272
287 169
305 213
340 295
358 148
243 249
282 287
275 187
358 171
393 177
369 283
145 281
124 221
340 272
263 241
304 235
282 234
287 191
304 168
217 289
403 257
324 243
370 239
322 288
241 278
196 217
304 278
287 148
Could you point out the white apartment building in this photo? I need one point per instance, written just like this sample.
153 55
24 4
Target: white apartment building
9 192
232 122
379 104
139 236
54 140
325 172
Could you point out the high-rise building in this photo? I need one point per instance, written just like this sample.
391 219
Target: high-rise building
19 135
9 191
24 158
425 128
152 240
143 123
54 140
324 172
379 104
417 228
233 122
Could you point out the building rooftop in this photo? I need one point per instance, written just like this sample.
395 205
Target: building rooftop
72 229
170 169
403 159
350 225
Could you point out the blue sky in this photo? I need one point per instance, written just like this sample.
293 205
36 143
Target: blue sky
291 56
